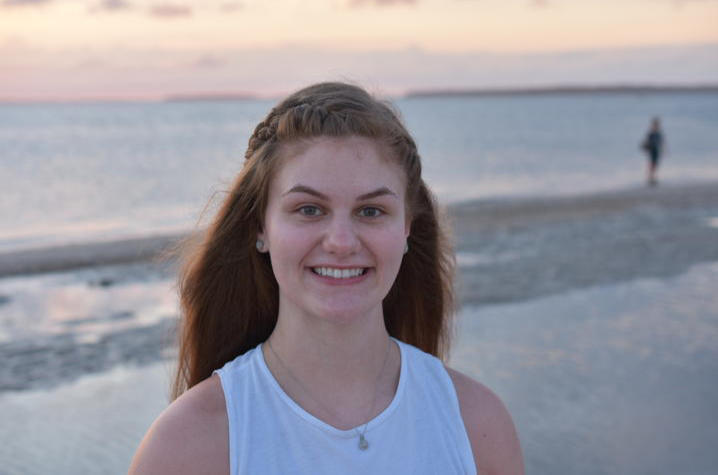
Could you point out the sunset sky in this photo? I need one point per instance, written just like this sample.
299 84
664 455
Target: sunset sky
89 49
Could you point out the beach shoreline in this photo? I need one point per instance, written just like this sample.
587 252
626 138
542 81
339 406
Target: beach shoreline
90 254
476 215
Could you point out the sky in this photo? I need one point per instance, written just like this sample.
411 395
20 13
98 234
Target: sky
134 49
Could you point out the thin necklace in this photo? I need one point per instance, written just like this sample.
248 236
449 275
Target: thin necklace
363 443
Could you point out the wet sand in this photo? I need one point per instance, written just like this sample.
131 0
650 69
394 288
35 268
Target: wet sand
594 317
527 248
76 256
613 379
90 426
619 379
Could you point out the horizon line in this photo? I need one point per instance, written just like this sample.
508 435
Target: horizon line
618 88
568 88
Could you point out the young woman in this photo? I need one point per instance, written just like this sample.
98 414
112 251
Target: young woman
315 312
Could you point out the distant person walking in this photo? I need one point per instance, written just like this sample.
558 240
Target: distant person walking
653 146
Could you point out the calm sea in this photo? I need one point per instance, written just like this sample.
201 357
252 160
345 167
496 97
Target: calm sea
88 172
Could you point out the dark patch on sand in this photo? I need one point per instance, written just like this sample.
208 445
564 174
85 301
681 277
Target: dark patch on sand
75 322
102 282
576 242
49 361
75 256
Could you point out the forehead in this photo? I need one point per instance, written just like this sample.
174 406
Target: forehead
338 164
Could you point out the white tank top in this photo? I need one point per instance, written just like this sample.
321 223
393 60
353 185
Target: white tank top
420 432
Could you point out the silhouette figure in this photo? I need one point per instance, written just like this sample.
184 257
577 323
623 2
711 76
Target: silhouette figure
653 146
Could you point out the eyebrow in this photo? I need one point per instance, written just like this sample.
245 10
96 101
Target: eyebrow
382 191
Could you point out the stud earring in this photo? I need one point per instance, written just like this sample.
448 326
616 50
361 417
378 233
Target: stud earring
260 245
406 247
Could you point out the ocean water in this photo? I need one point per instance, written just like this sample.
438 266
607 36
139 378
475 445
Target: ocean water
86 172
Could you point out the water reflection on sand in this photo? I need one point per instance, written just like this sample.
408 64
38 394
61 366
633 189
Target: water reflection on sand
618 379
89 302
57 327
612 379
92 425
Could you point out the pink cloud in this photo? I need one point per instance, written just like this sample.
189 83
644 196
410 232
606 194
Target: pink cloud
208 61
381 3
32 73
23 3
230 7
170 10
115 5
92 64
110 6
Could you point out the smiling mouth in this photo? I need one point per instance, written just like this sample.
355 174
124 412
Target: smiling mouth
339 273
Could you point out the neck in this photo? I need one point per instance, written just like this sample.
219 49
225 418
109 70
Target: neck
333 345
343 373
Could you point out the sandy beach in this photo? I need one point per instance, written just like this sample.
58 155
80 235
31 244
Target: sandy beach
593 316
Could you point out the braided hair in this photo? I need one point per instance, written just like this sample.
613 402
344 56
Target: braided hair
228 294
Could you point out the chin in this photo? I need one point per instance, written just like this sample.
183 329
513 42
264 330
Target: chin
343 313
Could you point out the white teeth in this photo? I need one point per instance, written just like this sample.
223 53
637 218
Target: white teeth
338 273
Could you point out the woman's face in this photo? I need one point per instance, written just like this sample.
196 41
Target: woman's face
335 227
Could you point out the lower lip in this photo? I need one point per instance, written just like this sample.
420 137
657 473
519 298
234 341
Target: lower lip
345 281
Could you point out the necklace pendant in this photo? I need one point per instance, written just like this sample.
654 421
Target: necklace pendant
363 444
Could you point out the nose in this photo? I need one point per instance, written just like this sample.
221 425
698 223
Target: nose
341 237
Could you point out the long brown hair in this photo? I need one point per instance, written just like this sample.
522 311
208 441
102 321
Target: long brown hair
228 293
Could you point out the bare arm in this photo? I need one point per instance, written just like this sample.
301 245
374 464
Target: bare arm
491 430
189 437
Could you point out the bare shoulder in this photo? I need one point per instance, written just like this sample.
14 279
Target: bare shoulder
490 428
190 436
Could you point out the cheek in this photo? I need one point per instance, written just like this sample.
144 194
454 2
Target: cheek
290 239
392 244
287 248
277 229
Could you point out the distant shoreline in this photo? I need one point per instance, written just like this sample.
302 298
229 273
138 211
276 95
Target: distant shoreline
565 89
210 97
409 94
